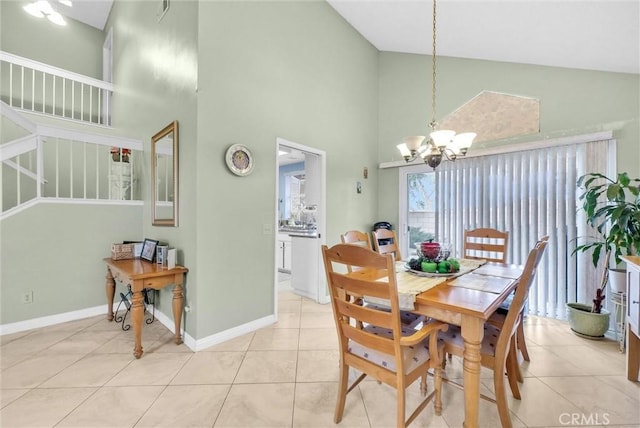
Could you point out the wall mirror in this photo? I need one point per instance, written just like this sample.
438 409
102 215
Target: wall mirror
164 176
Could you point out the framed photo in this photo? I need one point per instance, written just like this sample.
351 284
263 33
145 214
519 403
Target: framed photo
149 249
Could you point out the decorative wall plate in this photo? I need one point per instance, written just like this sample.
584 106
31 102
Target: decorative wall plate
239 160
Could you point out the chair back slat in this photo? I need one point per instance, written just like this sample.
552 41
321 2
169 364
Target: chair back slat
361 287
389 244
364 314
378 343
356 237
486 243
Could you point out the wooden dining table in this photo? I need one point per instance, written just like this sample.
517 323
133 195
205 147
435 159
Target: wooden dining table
468 301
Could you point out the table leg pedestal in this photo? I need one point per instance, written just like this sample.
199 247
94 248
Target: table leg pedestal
111 291
178 300
472 332
137 311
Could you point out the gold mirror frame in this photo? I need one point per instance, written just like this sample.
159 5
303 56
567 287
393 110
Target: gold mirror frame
164 176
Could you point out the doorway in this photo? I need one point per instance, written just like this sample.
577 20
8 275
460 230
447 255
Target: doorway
300 220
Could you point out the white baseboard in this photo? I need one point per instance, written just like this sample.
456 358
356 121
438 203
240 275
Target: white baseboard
234 332
189 341
52 320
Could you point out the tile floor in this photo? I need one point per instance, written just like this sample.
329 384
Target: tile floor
83 374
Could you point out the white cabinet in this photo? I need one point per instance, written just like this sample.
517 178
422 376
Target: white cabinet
304 272
307 269
283 253
633 317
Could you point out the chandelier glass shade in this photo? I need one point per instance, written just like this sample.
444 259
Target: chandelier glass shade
442 143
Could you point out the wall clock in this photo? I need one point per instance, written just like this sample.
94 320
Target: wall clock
239 160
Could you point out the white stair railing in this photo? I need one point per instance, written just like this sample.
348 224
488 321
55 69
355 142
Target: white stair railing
54 163
40 88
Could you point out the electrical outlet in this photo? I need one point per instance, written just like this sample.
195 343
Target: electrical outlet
27 297
267 229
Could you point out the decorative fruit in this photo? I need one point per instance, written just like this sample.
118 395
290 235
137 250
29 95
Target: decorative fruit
415 264
455 264
444 267
430 267
430 250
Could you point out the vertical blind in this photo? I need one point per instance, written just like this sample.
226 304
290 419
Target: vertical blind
530 194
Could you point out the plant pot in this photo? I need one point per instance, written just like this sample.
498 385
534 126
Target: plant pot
618 280
586 324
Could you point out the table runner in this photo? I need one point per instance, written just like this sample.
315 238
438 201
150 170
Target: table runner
410 284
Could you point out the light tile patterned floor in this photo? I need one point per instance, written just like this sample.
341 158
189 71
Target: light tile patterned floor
82 374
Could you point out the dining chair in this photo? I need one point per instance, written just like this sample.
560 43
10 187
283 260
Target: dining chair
385 242
485 243
384 349
499 316
497 349
355 237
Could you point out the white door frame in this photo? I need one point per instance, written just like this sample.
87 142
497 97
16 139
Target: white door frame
321 215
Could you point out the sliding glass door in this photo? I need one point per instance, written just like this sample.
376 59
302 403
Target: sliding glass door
530 193
418 208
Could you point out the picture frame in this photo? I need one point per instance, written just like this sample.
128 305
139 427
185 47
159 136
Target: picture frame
149 250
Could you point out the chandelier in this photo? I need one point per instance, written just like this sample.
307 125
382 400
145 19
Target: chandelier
441 143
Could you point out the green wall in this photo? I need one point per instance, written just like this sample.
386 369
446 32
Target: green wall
155 75
38 39
56 251
294 70
572 102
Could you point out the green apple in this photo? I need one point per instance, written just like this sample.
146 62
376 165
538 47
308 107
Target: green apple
444 267
429 266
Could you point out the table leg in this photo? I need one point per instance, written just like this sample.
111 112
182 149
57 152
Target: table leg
178 299
137 310
111 291
633 355
472 332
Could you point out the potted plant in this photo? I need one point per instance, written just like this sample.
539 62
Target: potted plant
612 208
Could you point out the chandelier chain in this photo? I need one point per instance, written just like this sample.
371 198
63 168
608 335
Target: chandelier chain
432 125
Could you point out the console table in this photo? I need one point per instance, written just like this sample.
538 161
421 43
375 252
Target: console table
633 316
140 274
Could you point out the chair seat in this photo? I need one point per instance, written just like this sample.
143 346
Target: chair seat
453 337
414 355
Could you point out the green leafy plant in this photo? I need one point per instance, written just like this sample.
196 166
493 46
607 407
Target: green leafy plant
612 208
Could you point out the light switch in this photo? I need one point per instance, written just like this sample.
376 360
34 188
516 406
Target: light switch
267 229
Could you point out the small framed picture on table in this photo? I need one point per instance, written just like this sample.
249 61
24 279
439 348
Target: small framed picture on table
149 250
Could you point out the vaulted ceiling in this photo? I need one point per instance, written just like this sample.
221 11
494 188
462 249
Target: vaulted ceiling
584 34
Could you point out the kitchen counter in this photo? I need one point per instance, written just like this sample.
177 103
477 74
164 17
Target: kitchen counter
299 231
